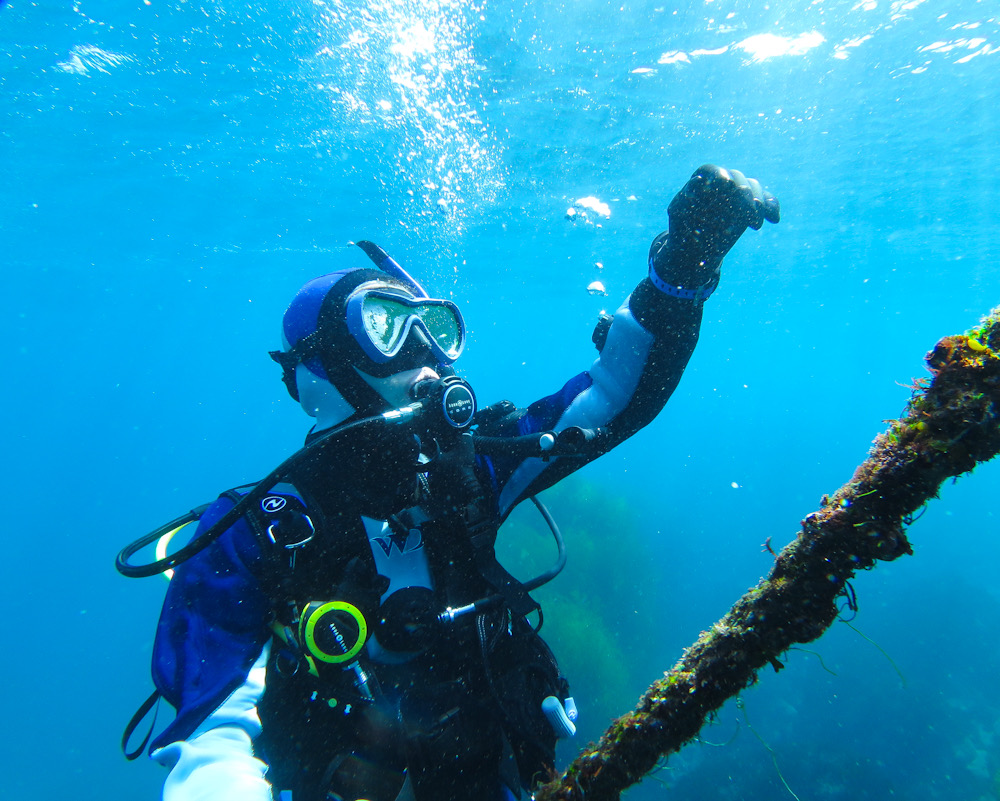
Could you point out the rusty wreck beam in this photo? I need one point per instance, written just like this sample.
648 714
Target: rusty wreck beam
951 424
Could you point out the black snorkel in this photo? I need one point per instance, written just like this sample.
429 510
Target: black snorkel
390 266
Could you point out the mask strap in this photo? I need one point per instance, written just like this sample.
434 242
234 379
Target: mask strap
288 361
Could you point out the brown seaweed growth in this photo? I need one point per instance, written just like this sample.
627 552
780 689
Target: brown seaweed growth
951 423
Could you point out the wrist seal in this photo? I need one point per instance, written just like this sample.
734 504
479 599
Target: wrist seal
698 293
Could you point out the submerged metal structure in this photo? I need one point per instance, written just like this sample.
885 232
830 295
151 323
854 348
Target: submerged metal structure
951 424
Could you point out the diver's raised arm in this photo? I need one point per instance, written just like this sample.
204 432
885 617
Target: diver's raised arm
644 351
707 217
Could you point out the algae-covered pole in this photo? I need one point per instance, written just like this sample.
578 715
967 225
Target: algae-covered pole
951 423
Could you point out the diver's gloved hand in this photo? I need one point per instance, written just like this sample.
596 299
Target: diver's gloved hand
707 216
452 477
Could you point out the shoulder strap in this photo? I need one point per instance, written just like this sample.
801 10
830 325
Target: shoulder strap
282 522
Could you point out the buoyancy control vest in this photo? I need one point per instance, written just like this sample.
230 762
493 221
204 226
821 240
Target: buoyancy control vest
443 684
477 667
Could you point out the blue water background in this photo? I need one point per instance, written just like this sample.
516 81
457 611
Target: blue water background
173 171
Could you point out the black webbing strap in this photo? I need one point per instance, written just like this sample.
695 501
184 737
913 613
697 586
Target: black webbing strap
133 724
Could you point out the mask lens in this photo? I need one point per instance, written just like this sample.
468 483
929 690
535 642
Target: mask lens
385 322
440 321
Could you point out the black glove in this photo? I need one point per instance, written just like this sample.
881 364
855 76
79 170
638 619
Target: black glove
706 218
452 478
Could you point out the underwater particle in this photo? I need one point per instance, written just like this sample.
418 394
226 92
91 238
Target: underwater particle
597 288
734 485
598 265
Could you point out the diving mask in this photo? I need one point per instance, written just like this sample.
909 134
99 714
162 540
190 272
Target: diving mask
382 319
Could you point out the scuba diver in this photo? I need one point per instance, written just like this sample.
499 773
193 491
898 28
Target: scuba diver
342 629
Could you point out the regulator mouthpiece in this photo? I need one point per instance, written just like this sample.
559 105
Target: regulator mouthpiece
441 406
448 402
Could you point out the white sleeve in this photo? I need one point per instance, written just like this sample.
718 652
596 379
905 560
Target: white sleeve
615 378
217 762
